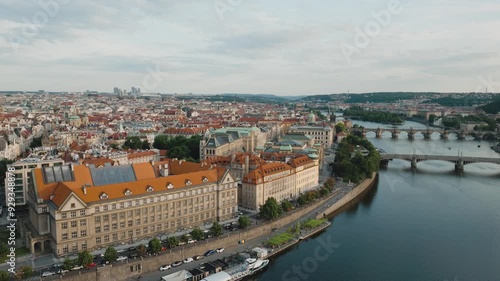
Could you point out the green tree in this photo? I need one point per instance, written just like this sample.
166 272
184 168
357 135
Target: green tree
37 142
173 241
432 118
216 229
179 152
133 142
155 245
161 142
244 222
141 250
26 271
145 145
85 258
184 238
4 276
197 234
340 127
111 254
286 206
68 264
271 209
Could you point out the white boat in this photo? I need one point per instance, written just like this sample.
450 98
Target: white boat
249 267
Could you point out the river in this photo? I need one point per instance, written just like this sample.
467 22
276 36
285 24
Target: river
431 224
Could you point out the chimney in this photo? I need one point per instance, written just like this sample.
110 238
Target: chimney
247 164
51 197
166 171
84 189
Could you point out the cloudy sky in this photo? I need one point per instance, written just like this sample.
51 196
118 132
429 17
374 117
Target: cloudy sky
285 47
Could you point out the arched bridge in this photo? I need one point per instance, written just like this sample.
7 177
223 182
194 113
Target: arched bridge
411 132
459 161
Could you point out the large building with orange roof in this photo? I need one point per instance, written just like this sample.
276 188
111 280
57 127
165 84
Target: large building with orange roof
79 207
279 180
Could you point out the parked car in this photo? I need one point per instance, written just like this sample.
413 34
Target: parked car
121 258
187 260
165 267
197 258
240 213
209 253
62 271
92 265
275 229
191 241
48 273
220 250
227 226
104 262
176 263
77 267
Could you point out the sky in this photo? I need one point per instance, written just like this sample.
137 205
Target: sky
283 47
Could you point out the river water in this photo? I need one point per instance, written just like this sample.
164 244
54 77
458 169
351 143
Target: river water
431 224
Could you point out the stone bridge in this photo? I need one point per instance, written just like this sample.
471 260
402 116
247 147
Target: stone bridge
461 134
459 161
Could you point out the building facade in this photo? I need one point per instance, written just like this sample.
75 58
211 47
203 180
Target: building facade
75 208
279 180
322 134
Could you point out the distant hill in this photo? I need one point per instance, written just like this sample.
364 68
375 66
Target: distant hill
376 97
492 107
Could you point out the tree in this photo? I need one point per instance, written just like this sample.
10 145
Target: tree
141 250
271 209
145 145
68 264
85 258
155 245
340 127
173 241
161 142
216 229
197 234
286 206
26 271
179 152
432 118
244 222
4 276
184 238
111 254
37 142
133 142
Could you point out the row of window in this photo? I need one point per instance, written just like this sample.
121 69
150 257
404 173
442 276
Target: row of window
72 214
74 234
74 247
145 201
64 225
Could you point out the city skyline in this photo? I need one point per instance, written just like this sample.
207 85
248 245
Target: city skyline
250 47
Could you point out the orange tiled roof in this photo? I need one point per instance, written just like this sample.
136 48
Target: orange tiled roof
300 161
98 161
140 154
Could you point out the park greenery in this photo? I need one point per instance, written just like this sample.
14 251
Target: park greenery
312 195
353 165
454 122
492 107
280 239
24 272
141 250
173 241
294 232
244 222
467 100
286 206
357 113
340 127
180 147
68 264
135 142
313 223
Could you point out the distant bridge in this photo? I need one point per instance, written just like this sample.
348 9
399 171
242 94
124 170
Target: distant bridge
459 161
461 134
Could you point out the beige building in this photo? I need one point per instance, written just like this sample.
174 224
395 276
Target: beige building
322 134
278 180
226 141
75 208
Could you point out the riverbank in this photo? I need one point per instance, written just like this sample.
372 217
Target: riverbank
254 236
350 196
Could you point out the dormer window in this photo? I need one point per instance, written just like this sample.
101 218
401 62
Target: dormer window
103 196
188 182
127 192
170 185
205 179
150 188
